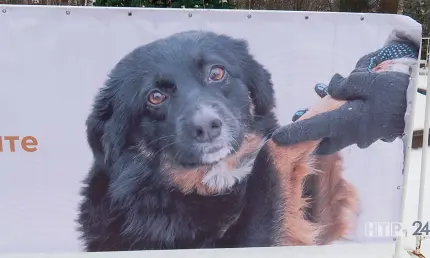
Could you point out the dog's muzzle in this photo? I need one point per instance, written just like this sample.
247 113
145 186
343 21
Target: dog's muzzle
204 125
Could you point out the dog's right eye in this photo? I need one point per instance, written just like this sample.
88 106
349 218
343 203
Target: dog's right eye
216 73
156 98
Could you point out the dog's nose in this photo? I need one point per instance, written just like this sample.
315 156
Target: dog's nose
206 129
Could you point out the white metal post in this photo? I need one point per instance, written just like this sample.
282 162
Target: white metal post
424 154
399 248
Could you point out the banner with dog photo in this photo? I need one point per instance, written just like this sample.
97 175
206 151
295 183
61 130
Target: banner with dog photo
143 129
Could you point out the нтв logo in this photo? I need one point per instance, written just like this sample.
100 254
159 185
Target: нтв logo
383 229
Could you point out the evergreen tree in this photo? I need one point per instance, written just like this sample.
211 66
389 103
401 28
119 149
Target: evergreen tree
419 10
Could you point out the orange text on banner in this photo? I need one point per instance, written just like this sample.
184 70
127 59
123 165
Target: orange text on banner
27 143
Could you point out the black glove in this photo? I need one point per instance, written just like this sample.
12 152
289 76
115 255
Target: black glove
375 110
376 102
321 90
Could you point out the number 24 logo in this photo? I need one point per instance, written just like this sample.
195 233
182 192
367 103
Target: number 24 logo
421 228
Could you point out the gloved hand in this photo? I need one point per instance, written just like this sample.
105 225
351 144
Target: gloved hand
375 107
321 90
376 111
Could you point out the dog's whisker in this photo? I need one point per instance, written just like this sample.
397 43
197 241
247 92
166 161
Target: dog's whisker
177 153
141 150
245 105
167 145
160 138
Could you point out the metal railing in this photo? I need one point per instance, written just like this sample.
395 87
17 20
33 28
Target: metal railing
425 55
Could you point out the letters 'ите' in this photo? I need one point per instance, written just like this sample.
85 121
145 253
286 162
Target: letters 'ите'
27 143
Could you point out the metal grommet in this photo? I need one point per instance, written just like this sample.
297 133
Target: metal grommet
67 12
307 17
130 13
3 11
398 187
361 18
249 16
190 15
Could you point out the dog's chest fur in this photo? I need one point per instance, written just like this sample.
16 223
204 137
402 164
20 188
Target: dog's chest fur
219 178
222 176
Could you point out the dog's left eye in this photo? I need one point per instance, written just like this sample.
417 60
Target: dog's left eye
216 73
156 97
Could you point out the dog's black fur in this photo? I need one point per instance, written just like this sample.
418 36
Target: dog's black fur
129 202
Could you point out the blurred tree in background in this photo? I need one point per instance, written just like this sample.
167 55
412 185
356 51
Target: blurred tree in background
354 6
210 4
417 9
118 3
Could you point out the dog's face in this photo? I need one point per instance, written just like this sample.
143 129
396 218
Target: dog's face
191 97
196 105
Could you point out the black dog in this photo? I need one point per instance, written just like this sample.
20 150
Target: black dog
175 132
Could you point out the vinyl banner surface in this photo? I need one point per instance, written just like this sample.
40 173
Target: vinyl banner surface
136 129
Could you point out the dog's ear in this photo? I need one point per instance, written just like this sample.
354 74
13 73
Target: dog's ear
111 118
108 124
259 82
96 122
260 86
254 75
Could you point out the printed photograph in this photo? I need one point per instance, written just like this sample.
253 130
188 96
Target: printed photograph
189 154
204 137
